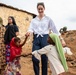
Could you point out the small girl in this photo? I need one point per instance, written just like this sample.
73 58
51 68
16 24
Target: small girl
55 55
13 67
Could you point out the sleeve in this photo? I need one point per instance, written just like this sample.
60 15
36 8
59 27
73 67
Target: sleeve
53 27
44 50
16 28
67 50
30 29
36 54
39 52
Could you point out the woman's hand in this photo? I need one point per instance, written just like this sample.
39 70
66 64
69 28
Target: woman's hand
63 42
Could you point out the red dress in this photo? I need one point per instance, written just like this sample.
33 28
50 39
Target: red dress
14 65
14 50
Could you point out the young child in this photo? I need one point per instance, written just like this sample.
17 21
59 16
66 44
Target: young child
55 55
13 67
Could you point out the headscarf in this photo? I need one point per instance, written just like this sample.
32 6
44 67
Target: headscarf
60 51
14 50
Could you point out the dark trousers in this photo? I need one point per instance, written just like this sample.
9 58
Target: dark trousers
38 43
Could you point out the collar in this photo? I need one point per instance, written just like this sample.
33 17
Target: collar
42 17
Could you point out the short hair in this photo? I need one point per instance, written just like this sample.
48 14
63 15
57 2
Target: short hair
16 39
40 3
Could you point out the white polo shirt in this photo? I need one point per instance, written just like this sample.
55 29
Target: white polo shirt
42 26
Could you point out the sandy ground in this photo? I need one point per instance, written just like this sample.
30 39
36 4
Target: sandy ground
70 38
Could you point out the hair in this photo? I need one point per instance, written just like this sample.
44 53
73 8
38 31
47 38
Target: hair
51 41
41 3
16 39
13 20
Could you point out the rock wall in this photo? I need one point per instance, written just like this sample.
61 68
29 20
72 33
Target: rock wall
2 51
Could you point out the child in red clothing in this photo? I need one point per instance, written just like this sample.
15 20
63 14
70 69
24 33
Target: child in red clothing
13 67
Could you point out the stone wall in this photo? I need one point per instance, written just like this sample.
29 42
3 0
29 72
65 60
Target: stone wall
2 51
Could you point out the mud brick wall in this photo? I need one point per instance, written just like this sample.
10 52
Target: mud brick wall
23 20
2 50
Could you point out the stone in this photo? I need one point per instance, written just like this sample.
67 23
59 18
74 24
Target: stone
2 49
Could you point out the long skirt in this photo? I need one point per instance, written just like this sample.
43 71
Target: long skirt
13 68
7 53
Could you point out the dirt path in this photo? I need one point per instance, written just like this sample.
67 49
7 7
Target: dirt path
70 38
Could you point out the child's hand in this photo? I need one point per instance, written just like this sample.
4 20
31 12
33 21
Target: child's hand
26 37
27 34
33 53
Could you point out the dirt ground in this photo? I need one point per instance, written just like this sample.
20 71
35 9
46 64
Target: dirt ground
70 38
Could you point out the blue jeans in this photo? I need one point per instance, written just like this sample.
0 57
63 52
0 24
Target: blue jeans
38 43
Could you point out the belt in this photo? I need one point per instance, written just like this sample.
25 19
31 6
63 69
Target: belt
39 35
42 35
